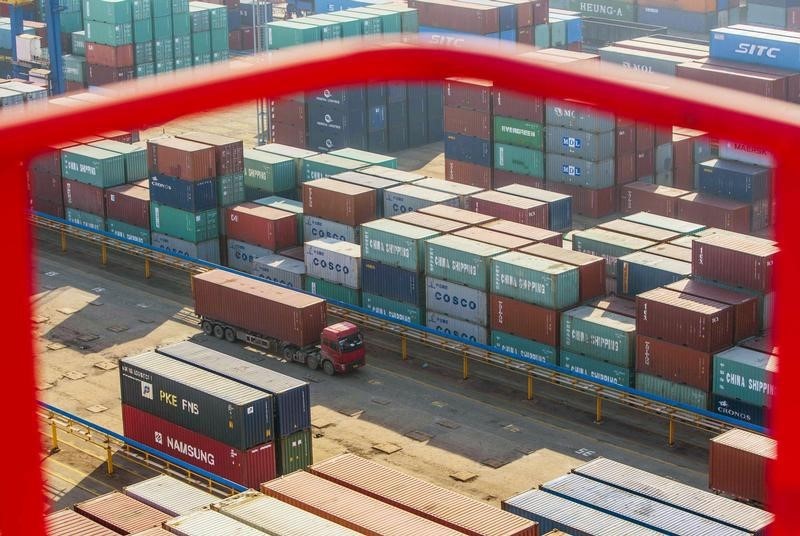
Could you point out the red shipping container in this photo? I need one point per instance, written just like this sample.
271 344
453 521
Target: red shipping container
456 214
70 523
70 85
85 197
102 75
122 514
587 202
467 173
663 135
529 232
183 159
682 162
338 201
261 226
121 56
50 161
686 320
541 11
510 207
626 140
468 93
793 18
673 362
507 178
734 76
645 163
288 112
287 134
615 304
129 203
735 261
643 197
246 467
468 122
45 186
746 322
525 35
235 40
510 104
248 38
625 169
645 136
591 269
738 462
122 136
503 240
524 319
715 212
53 208
228 152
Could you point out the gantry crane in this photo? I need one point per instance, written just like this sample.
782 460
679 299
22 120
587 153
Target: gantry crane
52 8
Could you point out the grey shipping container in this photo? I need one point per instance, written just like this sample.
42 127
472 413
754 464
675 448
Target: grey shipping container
578 115
580 144
196 399
579 172
241 255
292 403
281 270
456 301
208 250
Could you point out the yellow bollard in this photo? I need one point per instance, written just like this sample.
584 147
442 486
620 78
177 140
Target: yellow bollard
54 436
404 347
530 387
466 366
109 458
599 410
103 254
147 268
63 242
671 431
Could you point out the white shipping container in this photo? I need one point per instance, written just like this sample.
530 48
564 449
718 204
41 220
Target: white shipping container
457 328
336 261
207 522
170 495
734 150
408 198
281 270
241 255
456 301
315 228
29 47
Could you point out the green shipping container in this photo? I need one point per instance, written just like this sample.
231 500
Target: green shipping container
219 40
678 392
541 36
183 62
599 334
609 245
161 8
606 9
594 368
74 68
79 43
409 17
201 43
219 17
71 21
179 6
109 34
142 31
181 25
745 374
283 34
129 232
145 69
219 55
200 18
405 312
287 205
395 243
110 11
135 158
390 22
349 27
518 133
519 160
92 221
162 27
370 24
460 260
535 280
372 159
201 59
329 31
182 46
94 166
325 165
190 226
268 172
525 349
163 50
293 452
142 9
144 53
332 291
296 154
230 189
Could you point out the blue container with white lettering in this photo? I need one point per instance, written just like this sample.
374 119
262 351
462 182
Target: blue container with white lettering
392 282
736 409
321 139
580 144
758 48
353 98
315 228
191 196
331 117
376 118
677 19
468 149
456 327
639 272
394 309
525 349
456 301
579 172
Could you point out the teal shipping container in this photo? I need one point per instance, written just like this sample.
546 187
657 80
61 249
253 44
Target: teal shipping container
678 392
517 132
395 243
391 22
609 245
328 31
142 9
409 17
599 370
219 42
200 18
135 158
524 349
161 8
129 232
94 166
325 165
284 34
190 226
535 280
74 68
295 153
745 375
183 62
79 217
599 334
142 31
164 51
109 11
521 160
349 27
182 46
109 34
332 291
460 260
79 43
162 27
268 172
201 43
369 159
370 24
145 69
144 53
230 189
395 310
181 25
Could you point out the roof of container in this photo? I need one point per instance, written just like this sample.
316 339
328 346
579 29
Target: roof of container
70 523
449 187
123 512
748 442
155 531
399 228
284 263
508 199
362 179
117 147
672 251
610 237
533 193
195 377
457 214
333 160
339 246
567 256
8 92
666 191
289 205
683 301
531 262
361 156
278 518
663 56
466 245
208 137
604 318
396 175
735 166
493 237
266 158
170 495
257 287
720 294
208 522
260 211
520 229
427 221
91 152
131 190
714 201
683 242
639 230
722 232
659 262
669 491
285 150
177 143
742 245
749 357
337 186
289 24
418 192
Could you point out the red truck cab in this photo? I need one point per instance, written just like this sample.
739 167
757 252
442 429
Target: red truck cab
342 346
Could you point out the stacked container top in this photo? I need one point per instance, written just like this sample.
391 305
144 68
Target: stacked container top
70 523
121 513
170 495
460 260
530 279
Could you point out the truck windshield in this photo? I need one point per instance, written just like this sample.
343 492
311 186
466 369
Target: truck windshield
353 342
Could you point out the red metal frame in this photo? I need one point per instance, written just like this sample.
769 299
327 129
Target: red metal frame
663 101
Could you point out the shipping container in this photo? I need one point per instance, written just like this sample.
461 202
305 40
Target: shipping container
392 282
523 349
207 250
460 215
591 269
486 236
209 522
510 207
189 226
609 245
580 172
460 260
426 221
746 375
536 280
268 172
404 312
84 197
524 320
520 160
170 495
580 144
456 327
286 205
456 301
736 409
293 452
279 269
716 212
616 305
182 159
229 152
129 203
639 230
640 271
559 206
734 180
408 198
749 154
335 261
395 243
673 362
121 513
449 187
261 226
645 61
678 392
589 202
85 219
128 232
761 344
735 261
738 462
376 184
135 157
466 93
683 319
242 255
596 368
339 201
671 251
479 176
315 228
391 174
262 308
599 334
643 197
93 166
577 115
296 154
332 291
71 523
728 43
324 165
190 196
473 123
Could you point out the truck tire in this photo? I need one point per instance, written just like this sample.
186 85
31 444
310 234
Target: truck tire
208 327
312 361
230 335
327 366
219 331
288 354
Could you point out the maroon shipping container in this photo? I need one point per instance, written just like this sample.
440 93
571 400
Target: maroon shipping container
235 40
625 169
349 508
716 212
338 201
45 186
529 232
122 514
53 208
587 202
507 178
541 11
591 269
615 304
645 136
625 140
524 319
426 221
288 134
457 214
248 38
467 92
288 112
671 251
761 344
246 467
643 197
70 523
129 203
466 18
682 162
507 241
468 122
525 35
464 514
510 104
754 79
663 135
673 362
101 75
261 226
510 207
228 152
84 197
746 322
183 159
50 161
738 462
735 261
684 319
467 173
645 163
121 56
639 230
123 136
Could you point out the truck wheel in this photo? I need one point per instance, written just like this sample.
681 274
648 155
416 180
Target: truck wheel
208 327
288 354
327 366
219 331
312 361
230 335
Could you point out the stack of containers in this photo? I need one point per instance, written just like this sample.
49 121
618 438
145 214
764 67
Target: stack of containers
511 207
333 269
289 407
199 417
528 294
297 155
287 205
376 184
743 183
121 513
242 21
253 231
200 26
565 31
184 209
128 211
393 269
219 22
517 126
87 172
780 14
109 41
468 132
267 174
45 182
690 18
287 121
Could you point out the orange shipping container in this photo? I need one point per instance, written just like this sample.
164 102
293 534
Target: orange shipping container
738 462
69 523
695 6
339 201
591 269
529 232
121 513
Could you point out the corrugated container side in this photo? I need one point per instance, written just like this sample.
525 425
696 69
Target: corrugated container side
608 245
281 270
404 312
242 255
678 392
209 522
746 375
332 291
641 271
261 226
510 207
595 368
559 205
456 301
734 261
599 334
456 327
170 495
293 452
121 513
339 201
71 523
460 260
536 280
738 464
524 349
335 261
528 232
392 282
591 269
426 221
130 204
315 228
675 363
524 320
395 243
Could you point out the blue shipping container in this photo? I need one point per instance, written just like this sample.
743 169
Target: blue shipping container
468 149
392 282
640 272
376 118
736 409
349 98
677 19
734 180
192 196
325 116
325 140
756 48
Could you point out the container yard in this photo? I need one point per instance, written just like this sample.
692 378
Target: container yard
438 306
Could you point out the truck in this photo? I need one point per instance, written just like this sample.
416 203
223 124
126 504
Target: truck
283 321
